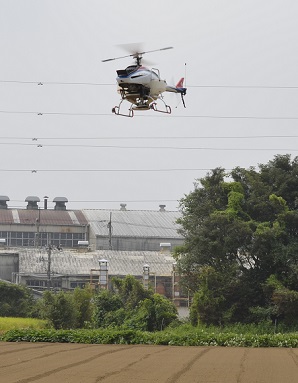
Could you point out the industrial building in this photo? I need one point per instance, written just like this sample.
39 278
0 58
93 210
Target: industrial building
59 248
123 229
46 268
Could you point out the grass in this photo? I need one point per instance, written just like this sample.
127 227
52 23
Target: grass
8 323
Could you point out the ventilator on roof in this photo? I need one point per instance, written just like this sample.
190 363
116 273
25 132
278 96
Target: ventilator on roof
32 202
60 203
3 200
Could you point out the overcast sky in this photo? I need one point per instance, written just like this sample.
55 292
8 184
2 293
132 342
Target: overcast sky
61 139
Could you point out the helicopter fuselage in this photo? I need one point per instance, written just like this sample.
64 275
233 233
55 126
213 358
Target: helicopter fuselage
138 80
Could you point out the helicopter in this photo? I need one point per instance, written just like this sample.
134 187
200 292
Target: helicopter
142 87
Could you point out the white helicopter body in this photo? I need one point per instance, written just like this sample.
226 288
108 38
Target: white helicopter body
142 87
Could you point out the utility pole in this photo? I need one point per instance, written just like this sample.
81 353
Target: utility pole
49 281
110 231
37 234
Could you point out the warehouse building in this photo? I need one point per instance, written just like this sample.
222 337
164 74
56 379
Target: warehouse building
123 229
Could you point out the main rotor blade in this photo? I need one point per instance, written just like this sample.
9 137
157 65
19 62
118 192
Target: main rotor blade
137 54
116 58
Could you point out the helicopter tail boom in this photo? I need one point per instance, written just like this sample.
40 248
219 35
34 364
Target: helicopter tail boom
178 89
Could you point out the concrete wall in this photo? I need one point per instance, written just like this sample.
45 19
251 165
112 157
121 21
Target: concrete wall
9 263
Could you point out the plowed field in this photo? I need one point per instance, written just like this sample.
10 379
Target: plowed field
61 363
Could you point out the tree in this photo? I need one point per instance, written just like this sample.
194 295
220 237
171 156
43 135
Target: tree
106 306
84 306
67 309
244 224
130 291
16 301
128 304
59 309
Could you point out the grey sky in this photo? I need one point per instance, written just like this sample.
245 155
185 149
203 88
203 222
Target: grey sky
242 62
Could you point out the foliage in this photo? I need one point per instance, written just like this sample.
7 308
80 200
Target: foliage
130 291
241 231
153 314
237 336
59 309
129 305
106 305
84 306
16 300
65 310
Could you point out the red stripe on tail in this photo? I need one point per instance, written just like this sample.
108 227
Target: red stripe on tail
180 83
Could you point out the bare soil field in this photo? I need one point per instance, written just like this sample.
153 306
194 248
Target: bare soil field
62 363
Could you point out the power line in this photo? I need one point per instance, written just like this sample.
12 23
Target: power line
230 86
148 138
155 116
103 170
144 147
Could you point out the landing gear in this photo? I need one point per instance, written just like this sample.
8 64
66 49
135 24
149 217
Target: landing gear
116 110
167 109
140 102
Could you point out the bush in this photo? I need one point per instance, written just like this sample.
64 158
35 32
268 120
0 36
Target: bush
59 309
181 336
129 305
16 301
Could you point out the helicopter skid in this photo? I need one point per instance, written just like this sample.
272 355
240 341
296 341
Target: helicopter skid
116 110
167 109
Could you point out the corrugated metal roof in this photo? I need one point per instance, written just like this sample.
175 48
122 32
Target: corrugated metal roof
45 217
6 216
134 223
75 263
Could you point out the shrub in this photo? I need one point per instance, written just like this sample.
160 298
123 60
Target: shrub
16 301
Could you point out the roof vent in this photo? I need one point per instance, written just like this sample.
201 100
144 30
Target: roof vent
122 206
60 203
32 202
45 202
162 207
3 200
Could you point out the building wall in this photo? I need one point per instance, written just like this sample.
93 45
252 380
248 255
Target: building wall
9 263
135 243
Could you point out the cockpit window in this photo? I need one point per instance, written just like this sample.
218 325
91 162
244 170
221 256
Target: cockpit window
131 69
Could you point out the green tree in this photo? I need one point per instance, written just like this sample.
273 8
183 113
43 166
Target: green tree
84 305
130 305
59 309
106 306
130 291
16 301
245 221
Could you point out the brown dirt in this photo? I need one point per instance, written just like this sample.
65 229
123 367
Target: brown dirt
80 363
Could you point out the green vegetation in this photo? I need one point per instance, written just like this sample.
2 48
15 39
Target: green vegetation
66 310
8 323
184 335
240 258
16 301
130 306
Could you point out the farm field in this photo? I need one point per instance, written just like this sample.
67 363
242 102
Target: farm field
68 362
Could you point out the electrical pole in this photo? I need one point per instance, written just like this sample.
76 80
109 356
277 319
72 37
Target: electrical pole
49 281
110 231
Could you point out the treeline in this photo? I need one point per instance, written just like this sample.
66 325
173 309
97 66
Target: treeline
127 305
240 258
